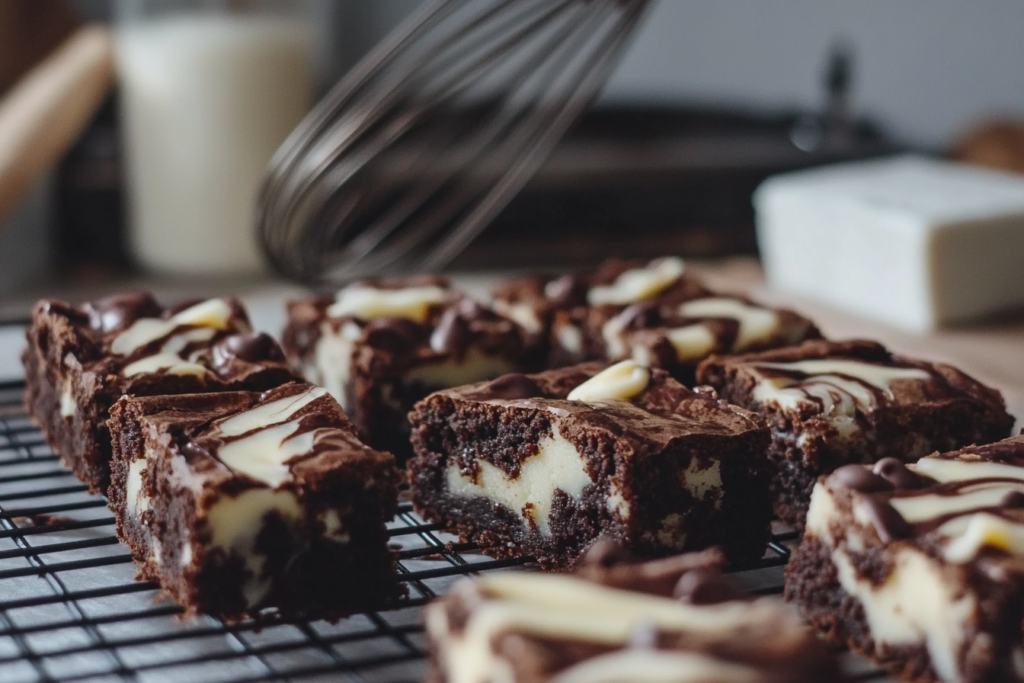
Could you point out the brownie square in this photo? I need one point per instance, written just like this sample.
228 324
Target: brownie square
653 312
380 346
920 567
674 619
236 502
834 403
543 464
80 359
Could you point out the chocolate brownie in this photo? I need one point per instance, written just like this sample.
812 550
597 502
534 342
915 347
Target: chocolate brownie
656 313
921 567
676 619
834 403
542 464
80 359
239 501
380 346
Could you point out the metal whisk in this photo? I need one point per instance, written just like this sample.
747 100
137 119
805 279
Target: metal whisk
425 141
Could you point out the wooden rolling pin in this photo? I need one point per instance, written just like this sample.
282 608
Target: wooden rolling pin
46 111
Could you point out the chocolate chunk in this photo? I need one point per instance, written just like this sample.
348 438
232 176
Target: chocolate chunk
514 386
120 311
396 335
899 475
251 348
705 587
605 552
452 333
566 291
859 478
888 522
1013 499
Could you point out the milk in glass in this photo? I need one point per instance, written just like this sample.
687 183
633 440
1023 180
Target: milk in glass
207 97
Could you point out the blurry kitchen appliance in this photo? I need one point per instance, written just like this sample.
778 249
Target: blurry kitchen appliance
209 89
424 142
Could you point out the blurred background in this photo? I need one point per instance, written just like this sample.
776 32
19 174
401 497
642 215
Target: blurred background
711 97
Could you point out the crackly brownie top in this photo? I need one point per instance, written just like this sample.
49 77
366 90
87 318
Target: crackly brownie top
960 505
408 317
617 619
133 336
295 432
840 378
625 397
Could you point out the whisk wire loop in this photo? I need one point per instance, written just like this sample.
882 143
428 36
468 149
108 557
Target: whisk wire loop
414 152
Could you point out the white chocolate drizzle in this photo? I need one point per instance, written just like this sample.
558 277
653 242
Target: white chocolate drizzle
212 313
369 303
756 324
260 442
638 284
842 386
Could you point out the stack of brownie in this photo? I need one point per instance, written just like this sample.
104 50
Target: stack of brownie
236 485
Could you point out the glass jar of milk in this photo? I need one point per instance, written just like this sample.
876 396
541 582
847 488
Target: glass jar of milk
209 90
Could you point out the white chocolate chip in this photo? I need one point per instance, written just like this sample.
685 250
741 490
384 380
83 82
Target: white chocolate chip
214 313
367 303
638 284
620 382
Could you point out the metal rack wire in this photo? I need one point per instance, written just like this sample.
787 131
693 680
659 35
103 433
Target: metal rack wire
70 609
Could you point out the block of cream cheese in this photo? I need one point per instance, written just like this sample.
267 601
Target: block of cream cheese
914 242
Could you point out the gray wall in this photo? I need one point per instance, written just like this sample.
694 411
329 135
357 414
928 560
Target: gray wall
925 68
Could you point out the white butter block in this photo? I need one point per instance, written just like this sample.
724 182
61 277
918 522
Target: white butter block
910 241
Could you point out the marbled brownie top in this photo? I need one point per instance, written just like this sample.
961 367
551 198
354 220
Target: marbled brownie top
624 398
133 337
615 283
293 434
841 379
676 619
411 317
958 506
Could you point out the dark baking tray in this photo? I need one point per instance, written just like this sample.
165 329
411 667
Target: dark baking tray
71 611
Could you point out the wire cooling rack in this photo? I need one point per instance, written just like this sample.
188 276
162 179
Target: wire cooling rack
70 609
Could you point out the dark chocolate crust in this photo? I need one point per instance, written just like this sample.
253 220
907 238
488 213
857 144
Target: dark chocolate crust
643 447
949 411
380 393
69 347
310 575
